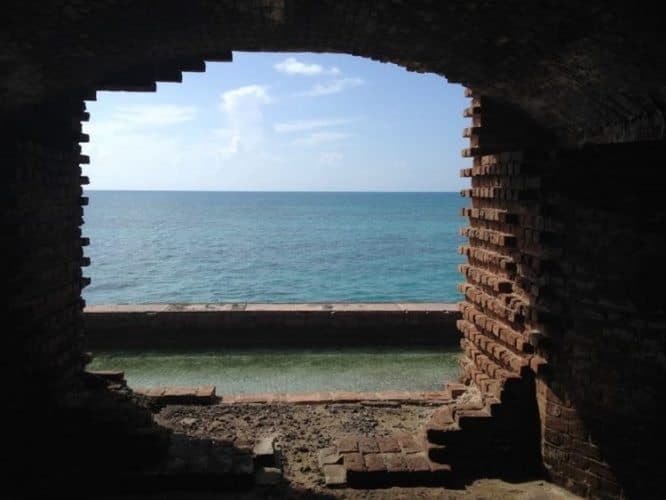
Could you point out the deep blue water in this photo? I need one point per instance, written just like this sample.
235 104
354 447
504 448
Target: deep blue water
272 247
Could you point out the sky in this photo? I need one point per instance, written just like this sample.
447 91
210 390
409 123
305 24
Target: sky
282 122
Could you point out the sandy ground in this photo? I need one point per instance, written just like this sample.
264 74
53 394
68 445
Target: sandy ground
301 430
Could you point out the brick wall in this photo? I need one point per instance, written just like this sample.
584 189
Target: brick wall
563 284
504 250
564 274
42 219
65 426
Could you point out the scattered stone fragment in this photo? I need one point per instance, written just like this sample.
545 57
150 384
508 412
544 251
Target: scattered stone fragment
329 456
264 452
188 421
335 476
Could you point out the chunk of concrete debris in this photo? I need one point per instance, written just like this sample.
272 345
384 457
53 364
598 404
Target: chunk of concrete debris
267 476
335 475
264 452
188 421
329 456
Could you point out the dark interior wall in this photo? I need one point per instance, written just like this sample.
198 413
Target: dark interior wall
42 213
65 429
606 320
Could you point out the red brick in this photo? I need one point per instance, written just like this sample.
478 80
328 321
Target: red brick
374 462
368 445
347 444
417 462
395 462
353 462
442 417
407 443
388 444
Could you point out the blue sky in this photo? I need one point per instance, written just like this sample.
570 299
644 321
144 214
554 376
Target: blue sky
282 122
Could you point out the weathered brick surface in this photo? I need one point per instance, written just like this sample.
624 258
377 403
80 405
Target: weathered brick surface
383 461
599 398
565 288
499 434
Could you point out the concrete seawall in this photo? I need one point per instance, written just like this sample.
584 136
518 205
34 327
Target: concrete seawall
316 325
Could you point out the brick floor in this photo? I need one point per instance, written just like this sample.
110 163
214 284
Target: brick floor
384 461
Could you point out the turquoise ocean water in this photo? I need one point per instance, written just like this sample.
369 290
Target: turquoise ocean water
191 247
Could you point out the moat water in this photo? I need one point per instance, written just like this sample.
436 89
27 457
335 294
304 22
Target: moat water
254 371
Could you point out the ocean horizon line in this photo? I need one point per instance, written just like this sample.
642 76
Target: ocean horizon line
260 191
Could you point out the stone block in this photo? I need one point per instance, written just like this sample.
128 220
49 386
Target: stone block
264 453
335 476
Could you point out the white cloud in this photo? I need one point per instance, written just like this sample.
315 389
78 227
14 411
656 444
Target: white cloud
242 96
320 138
292 66
333 87
245 118
140 157
140 119
330 158
301 125
154 115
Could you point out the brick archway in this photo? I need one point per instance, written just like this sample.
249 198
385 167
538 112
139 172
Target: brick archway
582 77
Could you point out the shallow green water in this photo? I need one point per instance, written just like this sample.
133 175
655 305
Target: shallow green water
252 371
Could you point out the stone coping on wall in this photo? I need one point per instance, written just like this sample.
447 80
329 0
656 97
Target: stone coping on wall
207 395
275 307
247 325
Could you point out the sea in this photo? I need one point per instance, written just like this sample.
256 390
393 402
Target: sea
278 247
275 247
